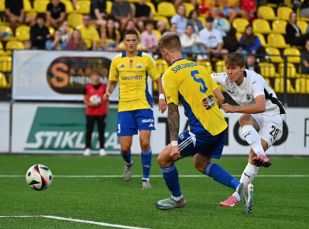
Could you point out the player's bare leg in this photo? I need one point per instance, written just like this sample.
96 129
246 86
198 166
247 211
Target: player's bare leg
125 144
146 156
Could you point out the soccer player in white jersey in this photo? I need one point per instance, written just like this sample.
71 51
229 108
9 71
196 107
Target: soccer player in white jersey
261 120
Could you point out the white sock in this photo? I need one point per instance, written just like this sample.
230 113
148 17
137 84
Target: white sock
177 198
253 139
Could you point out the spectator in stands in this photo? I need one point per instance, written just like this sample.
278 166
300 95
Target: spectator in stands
89 33
65 32
230 41
98 11
305 59
219 23
304 9
142 13
55 13
191 43
179 2
249 7
212 39
293 34
249 43
251 63
180 19
39 33
196 23
231 10
110 35
14 11
149 38
122 11
55 42
75 42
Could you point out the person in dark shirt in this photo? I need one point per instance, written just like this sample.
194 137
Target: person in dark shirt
39 33
305 59
142 13
55 13
14 11
293 34
98 11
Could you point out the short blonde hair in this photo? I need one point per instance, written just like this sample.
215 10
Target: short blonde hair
171 42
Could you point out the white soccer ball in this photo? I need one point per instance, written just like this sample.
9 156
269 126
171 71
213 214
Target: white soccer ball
95 99
39 177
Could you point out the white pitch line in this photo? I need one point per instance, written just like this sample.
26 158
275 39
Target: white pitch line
72 220
160 176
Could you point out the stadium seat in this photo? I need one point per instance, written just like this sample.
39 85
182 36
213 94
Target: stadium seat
240 24
40 6
278 26
83 7
266 13
157 33
262 39
276 41
220 66
291 70
274 55
5 63
152 8
27 6
302 85
267 70
75 20
2 5
284 12
303 26
109 5
279 86
166 9
68 6
5 29
161 66
14 45
3 81
261 26
22 33
189 7
238 36
206 64
293 55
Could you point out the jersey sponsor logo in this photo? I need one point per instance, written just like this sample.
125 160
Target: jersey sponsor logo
150 120
139 65
131 77
182 66
249 97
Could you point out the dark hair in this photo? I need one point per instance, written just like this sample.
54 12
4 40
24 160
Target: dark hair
209 19
236 60
192 11
248 39
130 32
170 42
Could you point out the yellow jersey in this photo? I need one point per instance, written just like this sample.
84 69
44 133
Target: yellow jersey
132 73
189 83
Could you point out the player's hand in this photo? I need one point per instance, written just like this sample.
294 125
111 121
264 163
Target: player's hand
228 108
106 96
175 154
162 105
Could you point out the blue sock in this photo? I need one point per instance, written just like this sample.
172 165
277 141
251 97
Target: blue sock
146 163
170 175
220 175
127 157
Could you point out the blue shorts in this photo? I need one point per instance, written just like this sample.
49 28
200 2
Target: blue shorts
206 145
129 122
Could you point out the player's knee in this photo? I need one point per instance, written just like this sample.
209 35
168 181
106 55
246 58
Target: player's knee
125 148
199 166
144 145
163 161
245 120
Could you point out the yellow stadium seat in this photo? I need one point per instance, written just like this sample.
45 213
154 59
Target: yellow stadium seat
276 41
83 7
22 33
68 6
240 24
267 70
6 29
157 33
302 86
206 64
266 13
189 7
261 26
109 5
293 55
274 55
166 9
291 70
238 36
162 19
15 45
279 86
40 6
2 5
75 20
262 39
278 26
303 26
5 63
152 8
220 66
284 12
27 6
3 81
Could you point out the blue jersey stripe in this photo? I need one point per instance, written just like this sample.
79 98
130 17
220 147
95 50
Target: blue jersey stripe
148 96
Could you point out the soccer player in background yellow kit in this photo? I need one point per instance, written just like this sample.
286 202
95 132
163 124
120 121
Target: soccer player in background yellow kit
131 69
187 82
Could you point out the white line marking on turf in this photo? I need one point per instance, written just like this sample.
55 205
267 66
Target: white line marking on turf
72 220
160 176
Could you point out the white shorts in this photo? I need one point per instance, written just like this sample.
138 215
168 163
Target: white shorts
270 127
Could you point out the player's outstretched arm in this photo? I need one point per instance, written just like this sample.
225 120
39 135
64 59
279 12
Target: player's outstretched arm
109 89
162 103
219 96
258 107
173 123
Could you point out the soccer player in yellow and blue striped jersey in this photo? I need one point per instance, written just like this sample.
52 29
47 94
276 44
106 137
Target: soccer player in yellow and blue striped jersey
187 82
130 69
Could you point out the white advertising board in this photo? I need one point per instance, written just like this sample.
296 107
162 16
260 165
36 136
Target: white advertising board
4 127
59 128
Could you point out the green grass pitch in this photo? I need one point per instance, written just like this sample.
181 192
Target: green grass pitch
279 202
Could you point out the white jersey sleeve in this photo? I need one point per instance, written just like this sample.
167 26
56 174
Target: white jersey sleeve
219 77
